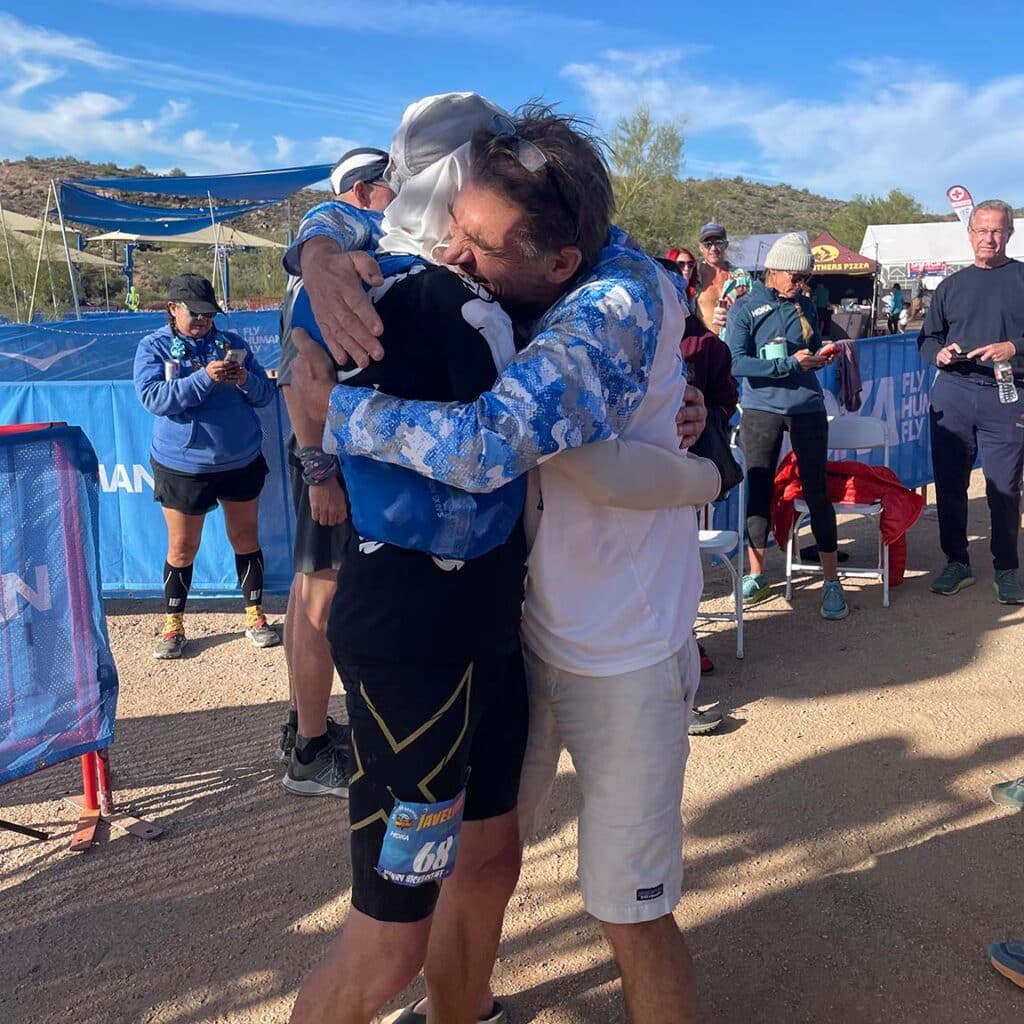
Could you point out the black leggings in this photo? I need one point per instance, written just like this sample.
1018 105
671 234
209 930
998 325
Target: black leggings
761 439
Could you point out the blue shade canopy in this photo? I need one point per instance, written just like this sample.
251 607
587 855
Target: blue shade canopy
267 185
88 208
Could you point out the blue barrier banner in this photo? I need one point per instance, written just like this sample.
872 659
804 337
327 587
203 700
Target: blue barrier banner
896 386
58 684
102 346
132 531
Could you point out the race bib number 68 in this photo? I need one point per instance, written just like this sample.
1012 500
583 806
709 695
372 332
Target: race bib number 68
421 841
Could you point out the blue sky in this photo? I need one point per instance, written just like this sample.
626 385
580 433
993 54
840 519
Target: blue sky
837 98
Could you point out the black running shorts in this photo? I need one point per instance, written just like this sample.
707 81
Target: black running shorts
316 547
195 494
420 733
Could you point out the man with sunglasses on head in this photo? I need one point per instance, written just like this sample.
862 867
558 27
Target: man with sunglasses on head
719 283
312 745
611 658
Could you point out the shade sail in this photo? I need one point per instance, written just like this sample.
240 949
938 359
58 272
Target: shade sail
224 235
55 251
85 207
19 222
269 185
832 257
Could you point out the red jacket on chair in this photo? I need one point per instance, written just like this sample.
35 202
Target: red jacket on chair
853 483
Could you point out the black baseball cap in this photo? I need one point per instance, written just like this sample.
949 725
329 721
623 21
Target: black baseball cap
194 291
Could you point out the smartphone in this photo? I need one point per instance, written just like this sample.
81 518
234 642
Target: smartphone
236 355
828 351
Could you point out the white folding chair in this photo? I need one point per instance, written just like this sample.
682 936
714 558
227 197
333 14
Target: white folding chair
728 545
847 432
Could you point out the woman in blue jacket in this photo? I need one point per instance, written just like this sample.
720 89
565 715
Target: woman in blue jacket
773 335
202 385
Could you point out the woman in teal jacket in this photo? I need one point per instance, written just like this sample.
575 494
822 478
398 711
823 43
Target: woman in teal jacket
203 385
776 348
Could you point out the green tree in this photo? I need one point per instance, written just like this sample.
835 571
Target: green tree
646 157
898 207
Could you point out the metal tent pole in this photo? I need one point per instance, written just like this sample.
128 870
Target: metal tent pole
39 259
67 252
10 265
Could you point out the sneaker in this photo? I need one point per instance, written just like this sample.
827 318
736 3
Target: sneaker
755 589
286 744
1008 959
172 643
1009 794
337 731
833 602
412 1014
1008 587
258 630
952 579
703 722
325 775
707 666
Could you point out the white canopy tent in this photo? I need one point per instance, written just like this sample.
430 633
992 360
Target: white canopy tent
222 235
927 251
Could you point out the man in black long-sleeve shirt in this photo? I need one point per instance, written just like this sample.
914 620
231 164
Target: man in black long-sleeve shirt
975 321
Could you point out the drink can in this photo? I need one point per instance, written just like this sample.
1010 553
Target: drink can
172 369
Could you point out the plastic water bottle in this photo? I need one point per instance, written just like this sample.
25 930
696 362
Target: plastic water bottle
1003 372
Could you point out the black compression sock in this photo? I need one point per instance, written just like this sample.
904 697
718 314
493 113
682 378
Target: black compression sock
307 749
250 576
177 581
293 718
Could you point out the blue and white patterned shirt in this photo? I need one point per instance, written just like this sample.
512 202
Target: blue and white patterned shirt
579 380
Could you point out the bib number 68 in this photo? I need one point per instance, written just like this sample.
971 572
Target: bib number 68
432 857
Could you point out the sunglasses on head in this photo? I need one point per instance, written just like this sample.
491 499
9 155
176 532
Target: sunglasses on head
531 157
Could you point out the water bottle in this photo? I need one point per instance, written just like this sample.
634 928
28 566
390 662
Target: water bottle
1004 381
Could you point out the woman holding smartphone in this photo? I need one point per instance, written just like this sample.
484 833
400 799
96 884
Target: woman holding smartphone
773 335
203 385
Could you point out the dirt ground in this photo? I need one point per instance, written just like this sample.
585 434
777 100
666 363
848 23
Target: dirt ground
844 862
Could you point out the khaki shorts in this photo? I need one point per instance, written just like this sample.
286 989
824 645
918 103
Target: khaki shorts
628 739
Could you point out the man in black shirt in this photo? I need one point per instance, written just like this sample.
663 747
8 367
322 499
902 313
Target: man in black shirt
975 323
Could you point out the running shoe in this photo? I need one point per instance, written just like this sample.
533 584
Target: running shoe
258 630
1009 794
833 603
1008 959
1008 588
755 589
412 1015
337 731
325 775
172 642
703 722
952 579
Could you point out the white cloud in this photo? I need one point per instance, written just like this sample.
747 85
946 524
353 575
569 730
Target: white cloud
284 148
402 17
329 148
895 125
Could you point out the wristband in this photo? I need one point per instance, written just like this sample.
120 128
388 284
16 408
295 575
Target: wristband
317 466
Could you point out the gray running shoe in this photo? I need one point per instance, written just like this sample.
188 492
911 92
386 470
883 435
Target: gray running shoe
172 641
1008 587
325 775
952 579
337 731
703 722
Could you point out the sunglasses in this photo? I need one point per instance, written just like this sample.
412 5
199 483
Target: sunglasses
193 315
799 278
531 158
716 243
687 263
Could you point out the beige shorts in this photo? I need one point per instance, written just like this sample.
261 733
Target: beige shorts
627 736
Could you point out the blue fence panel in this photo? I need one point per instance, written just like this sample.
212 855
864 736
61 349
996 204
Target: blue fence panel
58 685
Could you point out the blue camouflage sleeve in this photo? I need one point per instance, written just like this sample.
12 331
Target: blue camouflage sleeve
578 381
353 229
